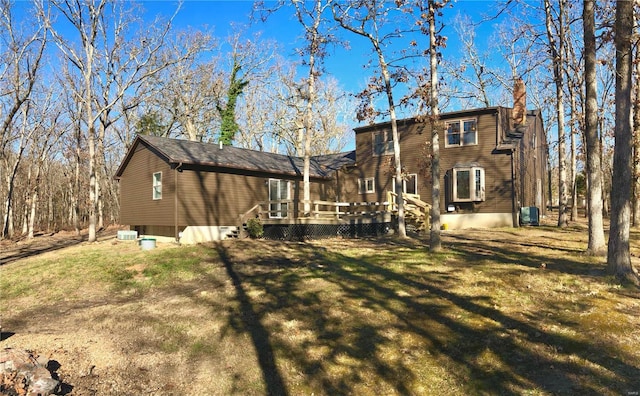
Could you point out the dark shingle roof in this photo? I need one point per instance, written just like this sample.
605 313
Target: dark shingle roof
207 154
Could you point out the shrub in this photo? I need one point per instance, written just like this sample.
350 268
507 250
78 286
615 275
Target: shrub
255 228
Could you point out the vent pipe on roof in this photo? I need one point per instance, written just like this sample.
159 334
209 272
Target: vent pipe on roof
220 145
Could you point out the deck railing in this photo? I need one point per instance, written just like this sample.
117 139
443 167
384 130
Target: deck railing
282 209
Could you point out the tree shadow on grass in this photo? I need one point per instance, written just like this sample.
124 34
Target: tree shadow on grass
350 338
523 253
260 336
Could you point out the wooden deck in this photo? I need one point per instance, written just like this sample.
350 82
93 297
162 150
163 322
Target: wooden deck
284 212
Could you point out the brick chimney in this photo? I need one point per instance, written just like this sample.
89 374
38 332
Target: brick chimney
519 103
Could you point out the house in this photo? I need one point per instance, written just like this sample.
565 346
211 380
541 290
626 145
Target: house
196 191
493 163
490 165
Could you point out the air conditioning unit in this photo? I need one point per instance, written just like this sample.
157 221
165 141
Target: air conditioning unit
127 235
529 215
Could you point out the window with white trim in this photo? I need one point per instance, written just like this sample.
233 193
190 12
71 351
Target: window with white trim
157 185
279 196
468 184
409 184
462 133
367 185
382 143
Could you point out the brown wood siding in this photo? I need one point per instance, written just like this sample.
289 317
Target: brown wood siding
206 196
415 141
531 171
216 198
137 206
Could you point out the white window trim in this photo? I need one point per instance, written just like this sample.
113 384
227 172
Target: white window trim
363 185
460 123
279 209
404 182
156 191
475 194
388 135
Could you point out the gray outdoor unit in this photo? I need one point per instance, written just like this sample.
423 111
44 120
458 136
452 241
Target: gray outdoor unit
529 215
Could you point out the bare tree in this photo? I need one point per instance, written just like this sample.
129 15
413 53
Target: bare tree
619 256
104 56
596 243
86 20
470 73
21 58
184 96
367 19
316 40
48 130
574 74
555 27
636 127
435 243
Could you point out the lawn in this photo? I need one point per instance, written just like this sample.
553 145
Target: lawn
508 311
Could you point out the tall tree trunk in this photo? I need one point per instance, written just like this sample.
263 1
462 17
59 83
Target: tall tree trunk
402 231
32 215
314 48
76 183
636 141
618 255
388 89
557 58
99 166
8 229
596 244
574 168
435 241
25 214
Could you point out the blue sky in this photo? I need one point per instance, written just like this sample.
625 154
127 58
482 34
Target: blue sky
345 65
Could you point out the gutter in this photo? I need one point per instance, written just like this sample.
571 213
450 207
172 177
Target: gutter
175 215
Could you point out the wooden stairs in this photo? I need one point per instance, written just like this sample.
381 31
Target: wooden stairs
416 211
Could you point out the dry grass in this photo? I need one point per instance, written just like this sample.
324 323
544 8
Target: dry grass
511 311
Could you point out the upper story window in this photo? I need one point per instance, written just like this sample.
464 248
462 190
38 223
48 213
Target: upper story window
367 185
462 133
157 185
382 143
468 184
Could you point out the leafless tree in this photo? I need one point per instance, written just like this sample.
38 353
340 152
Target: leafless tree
368 20
184 95
470 73
555 28
103 56
636 124
21 62
619 256
435 243
47 129
596 243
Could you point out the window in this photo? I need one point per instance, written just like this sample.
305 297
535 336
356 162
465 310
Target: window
468 184
278 197
382 143
367 185
462 133
157 185
409 184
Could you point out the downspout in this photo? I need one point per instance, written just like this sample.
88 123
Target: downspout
514 213
175 209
